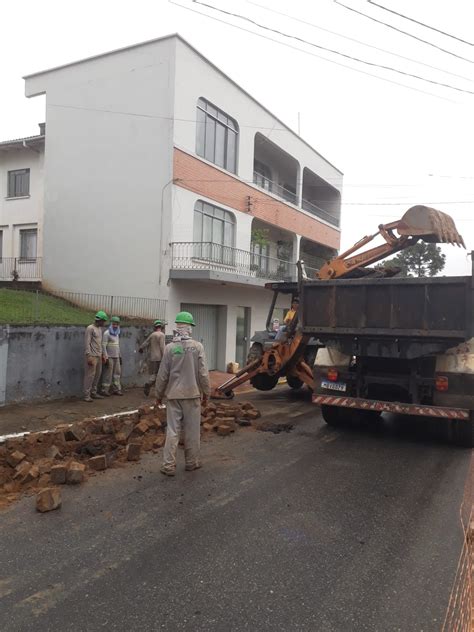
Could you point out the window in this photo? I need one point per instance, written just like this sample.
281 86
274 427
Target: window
18 183
216 136
262 176
213 230
259 257
28 240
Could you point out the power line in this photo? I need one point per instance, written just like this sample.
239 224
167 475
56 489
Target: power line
335 52
300 50
352 39
390 26
432 28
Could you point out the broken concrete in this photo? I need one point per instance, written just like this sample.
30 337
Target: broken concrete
48 499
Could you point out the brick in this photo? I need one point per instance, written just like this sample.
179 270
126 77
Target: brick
146 409
125 431
53 452
243 422
159 442
98 462
224 430
45 465
142 427
247 406
12 487
44 480
133 451
21 470
252 414
15 458
224 420
58 474
75 433
28 473
48 499
75 473
108 426
207 426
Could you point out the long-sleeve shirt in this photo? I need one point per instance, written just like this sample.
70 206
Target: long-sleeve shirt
93 341
156 342
183 371
110 345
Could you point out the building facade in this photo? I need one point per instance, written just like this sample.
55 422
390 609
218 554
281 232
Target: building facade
165 179
21 207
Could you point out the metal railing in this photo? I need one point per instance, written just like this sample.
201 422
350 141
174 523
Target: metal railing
188 255
24 307
20 269
273 187
315 210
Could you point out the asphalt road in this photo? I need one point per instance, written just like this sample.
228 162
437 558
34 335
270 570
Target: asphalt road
315 530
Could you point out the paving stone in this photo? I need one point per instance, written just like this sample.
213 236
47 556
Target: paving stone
75 473
98 462
15 458
58 474
53 452
252 414
142 427
133 451
207 426
48 499
21 470
75 433
159 442
224 430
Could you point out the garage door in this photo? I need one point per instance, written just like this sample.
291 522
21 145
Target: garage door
205 317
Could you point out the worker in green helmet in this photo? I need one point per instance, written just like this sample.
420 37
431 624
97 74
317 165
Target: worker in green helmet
94 356
156 343
113 367
184 379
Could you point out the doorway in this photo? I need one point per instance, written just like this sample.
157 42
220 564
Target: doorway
242 335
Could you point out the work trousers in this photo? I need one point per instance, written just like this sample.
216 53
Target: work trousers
183 416
92 375
154 367
112 374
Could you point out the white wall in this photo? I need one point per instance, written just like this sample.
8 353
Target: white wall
24 212
108 163
197 78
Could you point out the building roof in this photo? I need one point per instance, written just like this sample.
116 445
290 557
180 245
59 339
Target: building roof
184 41
16 143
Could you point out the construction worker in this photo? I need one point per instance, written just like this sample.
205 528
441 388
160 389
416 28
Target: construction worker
183 377
94 356
290 315
156 342
111 350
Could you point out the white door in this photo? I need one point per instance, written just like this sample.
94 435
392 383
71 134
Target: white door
205 331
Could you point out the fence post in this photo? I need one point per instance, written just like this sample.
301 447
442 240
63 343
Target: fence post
111 306
37 299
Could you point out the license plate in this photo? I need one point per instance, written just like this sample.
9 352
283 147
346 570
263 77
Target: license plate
333 386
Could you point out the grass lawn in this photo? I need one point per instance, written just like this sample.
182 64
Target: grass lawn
20 307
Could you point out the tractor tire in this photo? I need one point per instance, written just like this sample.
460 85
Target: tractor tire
264 382
255 352
294 382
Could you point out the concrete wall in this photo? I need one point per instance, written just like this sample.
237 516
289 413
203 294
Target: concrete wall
109 123
23 212
38 363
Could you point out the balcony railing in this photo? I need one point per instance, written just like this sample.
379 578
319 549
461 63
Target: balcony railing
210 256
272 187
20 269
315 210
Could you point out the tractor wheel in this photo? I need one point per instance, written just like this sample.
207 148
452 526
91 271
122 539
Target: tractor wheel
264 382
255 352
294 382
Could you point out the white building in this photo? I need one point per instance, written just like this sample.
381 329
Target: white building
21 207
165 179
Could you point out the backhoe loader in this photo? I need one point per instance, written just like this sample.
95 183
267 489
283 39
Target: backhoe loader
292 356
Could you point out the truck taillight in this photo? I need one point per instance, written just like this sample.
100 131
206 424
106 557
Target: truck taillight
441 383
333 375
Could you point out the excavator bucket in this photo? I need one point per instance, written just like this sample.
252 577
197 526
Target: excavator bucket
429 225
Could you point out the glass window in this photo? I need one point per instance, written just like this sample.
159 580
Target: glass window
215 227
18 183
218 142
262 176
28 241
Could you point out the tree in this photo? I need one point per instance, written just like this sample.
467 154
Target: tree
420 260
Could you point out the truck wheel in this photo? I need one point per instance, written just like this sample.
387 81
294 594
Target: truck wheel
332 415
294 382
264 382
463 432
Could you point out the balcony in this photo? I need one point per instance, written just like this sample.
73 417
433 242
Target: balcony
320 198
272 187
20 269
319 212
214 262
274 170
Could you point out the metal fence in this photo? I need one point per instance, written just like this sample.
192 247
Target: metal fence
319 212
209 256
20 269
273 187
18 306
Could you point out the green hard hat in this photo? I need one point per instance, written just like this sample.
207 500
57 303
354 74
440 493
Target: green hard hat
101 315
157 322
115 319
186 318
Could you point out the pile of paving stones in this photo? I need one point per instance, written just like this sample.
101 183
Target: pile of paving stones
40 462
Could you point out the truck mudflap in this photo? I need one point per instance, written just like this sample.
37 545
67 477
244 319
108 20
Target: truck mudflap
392 407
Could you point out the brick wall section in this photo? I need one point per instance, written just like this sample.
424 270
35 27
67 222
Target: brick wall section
195 175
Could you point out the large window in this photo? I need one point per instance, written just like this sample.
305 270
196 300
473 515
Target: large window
28 242
18 183
213 230
262 176
216 136
259 260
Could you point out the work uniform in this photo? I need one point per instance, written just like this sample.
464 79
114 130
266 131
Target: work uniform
183 377
156 342
93 354
113 369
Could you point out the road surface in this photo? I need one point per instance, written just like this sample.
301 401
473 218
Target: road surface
316 530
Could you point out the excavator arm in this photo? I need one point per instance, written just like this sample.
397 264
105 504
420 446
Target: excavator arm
286 357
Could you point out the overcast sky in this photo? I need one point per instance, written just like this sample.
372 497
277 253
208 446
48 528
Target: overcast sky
398 144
